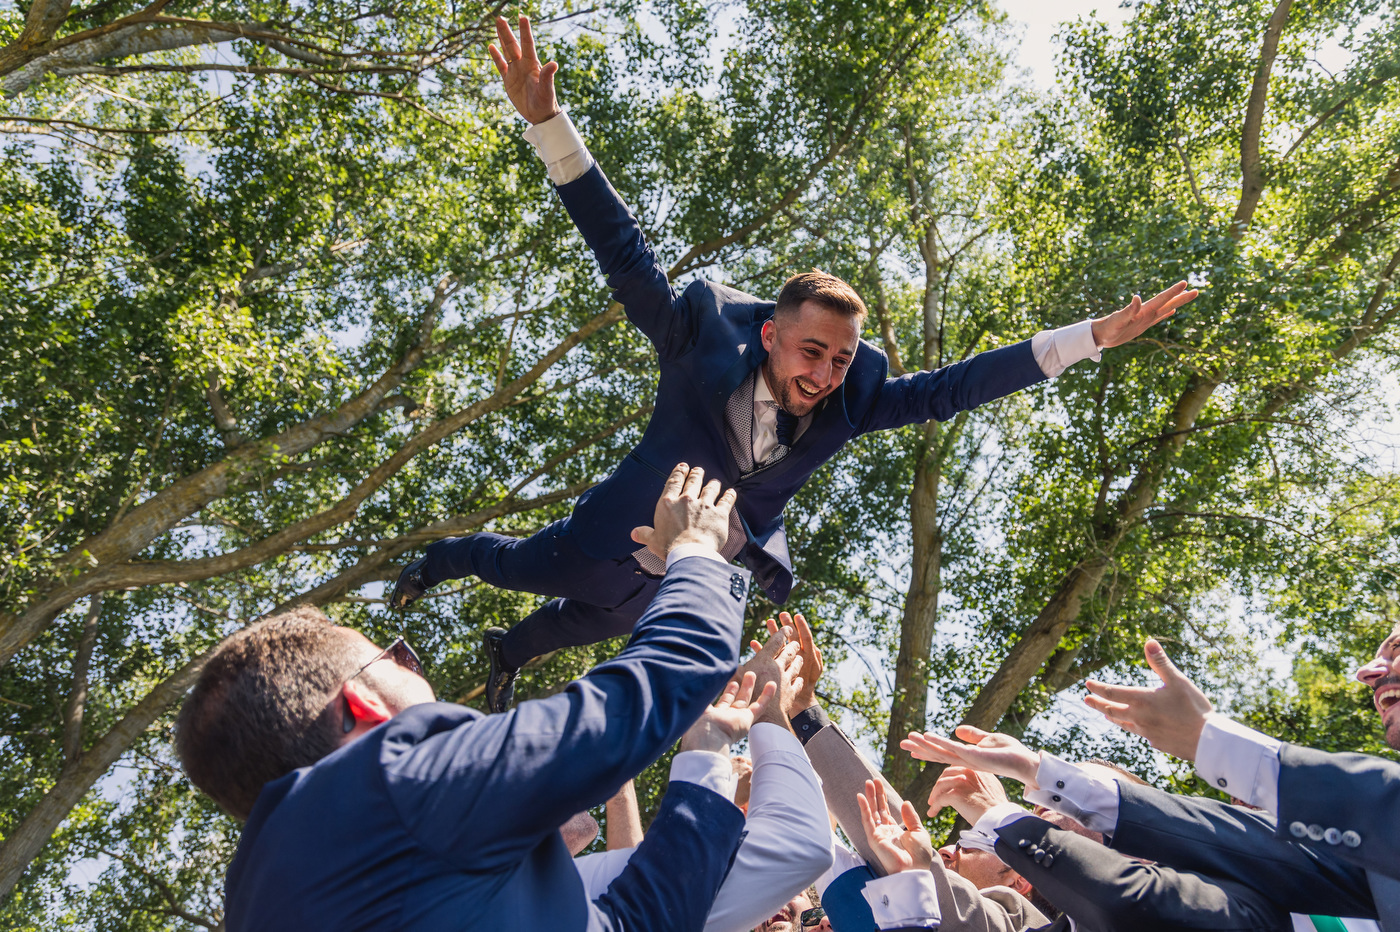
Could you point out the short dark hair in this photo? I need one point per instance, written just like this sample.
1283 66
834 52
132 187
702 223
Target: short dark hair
823 288
260 708
1119 769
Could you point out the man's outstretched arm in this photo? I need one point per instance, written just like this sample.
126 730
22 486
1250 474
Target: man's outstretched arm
943 393
637 279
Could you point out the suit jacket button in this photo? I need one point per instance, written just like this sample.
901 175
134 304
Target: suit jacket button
1039 855
1333 836
1049 859
1023 842
736 586
1298 830
1059 784
1222 783
1055 798
1351 839
1315 832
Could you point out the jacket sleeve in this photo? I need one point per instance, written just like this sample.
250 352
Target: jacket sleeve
942 393
505 781
1210 837
638 281
1332 800
1100 888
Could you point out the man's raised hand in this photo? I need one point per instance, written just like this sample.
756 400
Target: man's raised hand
529 85
904 847
1132 321
991 751
689 511
970 792
730 718
1169 716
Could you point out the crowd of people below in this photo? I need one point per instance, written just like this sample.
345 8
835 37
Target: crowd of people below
368 805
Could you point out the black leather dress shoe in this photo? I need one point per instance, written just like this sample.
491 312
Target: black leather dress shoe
411 585
500 682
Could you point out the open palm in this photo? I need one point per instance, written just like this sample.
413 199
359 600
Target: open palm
529 85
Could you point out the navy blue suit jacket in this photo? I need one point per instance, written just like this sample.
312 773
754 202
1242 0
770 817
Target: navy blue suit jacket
708 341
444 818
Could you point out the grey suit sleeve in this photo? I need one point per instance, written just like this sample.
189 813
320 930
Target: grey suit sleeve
1345 803
1102 889
843 771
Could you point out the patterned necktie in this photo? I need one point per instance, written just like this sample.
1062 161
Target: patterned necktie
787 428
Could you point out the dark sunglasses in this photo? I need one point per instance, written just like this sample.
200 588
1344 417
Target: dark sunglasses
811 918
400 653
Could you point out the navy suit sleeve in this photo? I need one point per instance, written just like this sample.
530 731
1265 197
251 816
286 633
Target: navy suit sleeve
1344 792
490 790
939 395
1102 889
637 279
671 879
1211 837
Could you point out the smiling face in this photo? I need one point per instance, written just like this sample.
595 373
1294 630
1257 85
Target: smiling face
785 919
1382 677
809 352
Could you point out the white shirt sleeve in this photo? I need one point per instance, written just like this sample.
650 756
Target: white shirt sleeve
681 551
1087 799
1057 350
599 870
842 860
560 147
1239 761
788 840
907 899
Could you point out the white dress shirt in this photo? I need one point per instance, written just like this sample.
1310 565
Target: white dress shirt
787 840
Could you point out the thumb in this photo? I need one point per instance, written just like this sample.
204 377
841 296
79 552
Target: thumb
1160 663
910 816
643 535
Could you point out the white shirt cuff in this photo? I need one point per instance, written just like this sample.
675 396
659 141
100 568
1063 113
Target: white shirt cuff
1089 800
1057 350
985 831
904 900
709 769
560 147
1239 761
681 551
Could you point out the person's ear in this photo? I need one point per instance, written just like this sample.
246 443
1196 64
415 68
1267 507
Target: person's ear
1021 885
768 335
363 705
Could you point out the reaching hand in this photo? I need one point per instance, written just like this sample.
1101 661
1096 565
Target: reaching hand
803 694
687 513
904 847
1170 716
730 718
779 664
970 792
529 85
991 751
1132 321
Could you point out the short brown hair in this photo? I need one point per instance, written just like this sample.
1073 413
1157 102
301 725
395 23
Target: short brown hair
260 708
827 290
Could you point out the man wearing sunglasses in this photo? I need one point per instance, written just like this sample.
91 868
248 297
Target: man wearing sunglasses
370 806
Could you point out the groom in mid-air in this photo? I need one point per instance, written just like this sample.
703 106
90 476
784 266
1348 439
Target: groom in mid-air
757 393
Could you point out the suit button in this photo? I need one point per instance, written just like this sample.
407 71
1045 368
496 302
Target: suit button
1039 855
1059 784
1333 836
1351 839
1222 783
1315 832
736 586
1055 798
1049 859
1023 842
1298 830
